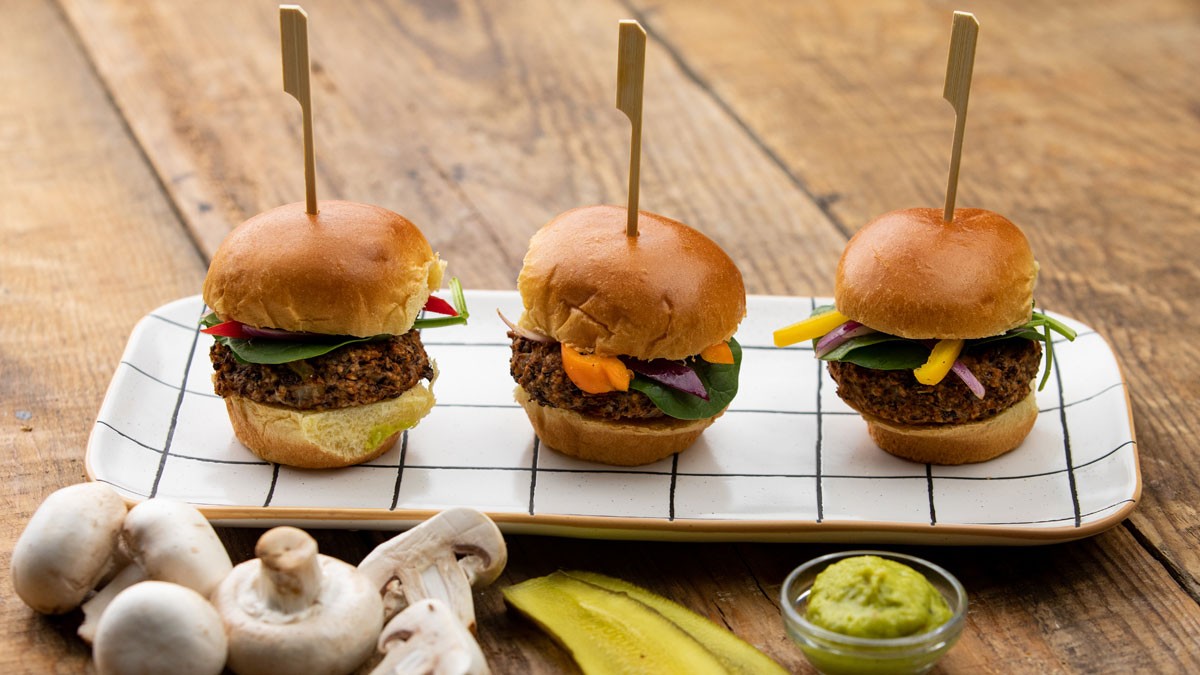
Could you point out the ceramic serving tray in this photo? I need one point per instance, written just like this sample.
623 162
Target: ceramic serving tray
787 462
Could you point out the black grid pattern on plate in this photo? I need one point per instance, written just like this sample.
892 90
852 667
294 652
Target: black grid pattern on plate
166 451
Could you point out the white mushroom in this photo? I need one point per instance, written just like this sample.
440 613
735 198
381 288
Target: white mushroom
160 627
68 547
428 639
167 541
293 610
443 558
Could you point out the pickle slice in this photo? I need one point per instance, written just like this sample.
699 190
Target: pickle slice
607 632
735 654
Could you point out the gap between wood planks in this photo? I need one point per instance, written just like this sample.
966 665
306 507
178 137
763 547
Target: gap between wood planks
1173 570
690 73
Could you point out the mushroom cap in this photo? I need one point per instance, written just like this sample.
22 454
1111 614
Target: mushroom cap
335 634
173 541
67 547
467 534
159 627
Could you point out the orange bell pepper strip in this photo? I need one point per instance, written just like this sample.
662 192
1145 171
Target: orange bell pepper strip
718 353
595 374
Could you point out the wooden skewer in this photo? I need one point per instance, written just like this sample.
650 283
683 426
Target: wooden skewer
293 33
959 67
631 71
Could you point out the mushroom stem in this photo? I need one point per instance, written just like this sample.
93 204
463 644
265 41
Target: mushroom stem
291 578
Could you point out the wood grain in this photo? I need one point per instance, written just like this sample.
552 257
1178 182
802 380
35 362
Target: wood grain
142 135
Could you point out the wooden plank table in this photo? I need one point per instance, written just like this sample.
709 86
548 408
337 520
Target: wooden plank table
138 134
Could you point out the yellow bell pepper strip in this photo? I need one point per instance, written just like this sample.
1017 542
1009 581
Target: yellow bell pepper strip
811 328
718 353
941 360
595 374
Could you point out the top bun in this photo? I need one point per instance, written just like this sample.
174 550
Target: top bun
667 293
907 273
352 269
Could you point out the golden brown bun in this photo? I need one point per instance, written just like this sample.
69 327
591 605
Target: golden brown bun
326 438
352 269
957 443
609 442
668 293
909 274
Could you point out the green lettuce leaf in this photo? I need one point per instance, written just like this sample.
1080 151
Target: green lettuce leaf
720 381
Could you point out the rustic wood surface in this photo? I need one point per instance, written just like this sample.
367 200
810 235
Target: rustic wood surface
138 134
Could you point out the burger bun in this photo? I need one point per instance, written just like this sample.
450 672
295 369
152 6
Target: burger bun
351 269
322 439
667 293
956 443
908 273
621 443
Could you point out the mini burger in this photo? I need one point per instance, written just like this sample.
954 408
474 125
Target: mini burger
933 336
316 318
624 353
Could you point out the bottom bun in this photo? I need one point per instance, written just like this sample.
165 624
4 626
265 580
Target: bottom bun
957 443
629 443
324 439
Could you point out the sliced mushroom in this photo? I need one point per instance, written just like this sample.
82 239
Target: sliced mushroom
428 639
68 547
167 540
292 610
160 627
443 558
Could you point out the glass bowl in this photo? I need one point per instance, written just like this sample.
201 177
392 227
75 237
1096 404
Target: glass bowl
834 653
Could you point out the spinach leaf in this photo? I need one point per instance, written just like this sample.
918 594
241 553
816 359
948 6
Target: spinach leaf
720 381
274 352
895 354
268 351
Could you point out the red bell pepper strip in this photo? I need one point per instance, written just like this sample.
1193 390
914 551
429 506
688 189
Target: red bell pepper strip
229 329
439 306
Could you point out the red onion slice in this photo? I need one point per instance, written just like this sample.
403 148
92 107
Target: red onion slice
524 332
275 333
838 336
241 331
964 373
671 374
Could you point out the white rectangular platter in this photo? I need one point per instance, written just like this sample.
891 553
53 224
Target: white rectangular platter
789 461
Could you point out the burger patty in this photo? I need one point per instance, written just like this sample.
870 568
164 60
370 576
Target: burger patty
1005 369
538 368
357 374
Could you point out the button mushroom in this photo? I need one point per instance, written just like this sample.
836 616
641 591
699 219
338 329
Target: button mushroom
292 610
160 627
68 547
428 639
443 557
167 541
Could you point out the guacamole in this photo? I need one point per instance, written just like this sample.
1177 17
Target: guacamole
868 596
